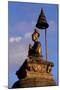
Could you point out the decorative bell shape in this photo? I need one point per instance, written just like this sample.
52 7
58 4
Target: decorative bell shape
42 22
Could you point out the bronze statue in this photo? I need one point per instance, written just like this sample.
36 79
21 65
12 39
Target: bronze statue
36 49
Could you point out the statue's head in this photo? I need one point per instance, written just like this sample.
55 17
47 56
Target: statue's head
35 36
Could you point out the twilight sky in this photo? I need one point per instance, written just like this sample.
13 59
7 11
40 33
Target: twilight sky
22 18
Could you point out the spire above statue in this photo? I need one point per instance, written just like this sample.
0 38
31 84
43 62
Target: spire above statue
42 22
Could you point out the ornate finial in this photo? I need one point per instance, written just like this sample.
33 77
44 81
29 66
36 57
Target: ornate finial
42 22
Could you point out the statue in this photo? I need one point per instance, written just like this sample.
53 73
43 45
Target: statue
36 49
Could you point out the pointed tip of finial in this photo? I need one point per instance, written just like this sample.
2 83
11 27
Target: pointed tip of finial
41 9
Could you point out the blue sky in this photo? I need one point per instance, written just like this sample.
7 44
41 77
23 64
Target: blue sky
22 18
